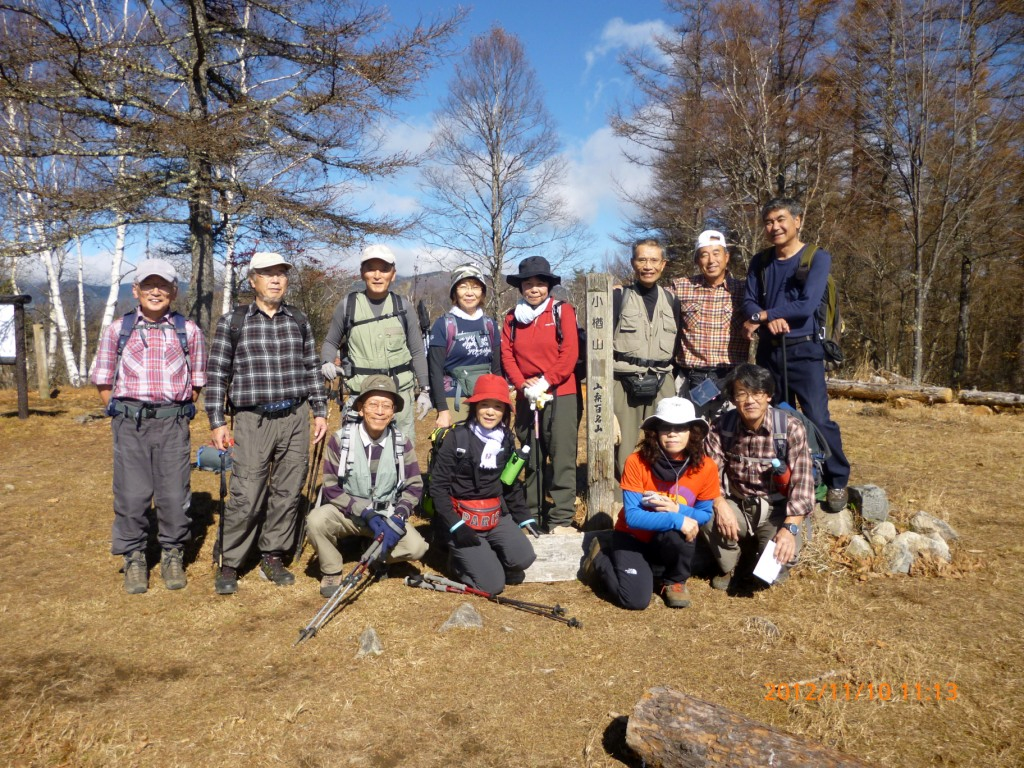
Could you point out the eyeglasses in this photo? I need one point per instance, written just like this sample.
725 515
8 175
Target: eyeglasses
647 262
379 406
743 396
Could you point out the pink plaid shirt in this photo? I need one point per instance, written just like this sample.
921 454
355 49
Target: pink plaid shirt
153 367
712 322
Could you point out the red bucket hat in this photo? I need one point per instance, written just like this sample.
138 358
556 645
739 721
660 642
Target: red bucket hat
490 387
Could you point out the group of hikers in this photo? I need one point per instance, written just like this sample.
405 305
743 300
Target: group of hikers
706 455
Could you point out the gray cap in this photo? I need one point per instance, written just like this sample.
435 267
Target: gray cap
157 267
380 384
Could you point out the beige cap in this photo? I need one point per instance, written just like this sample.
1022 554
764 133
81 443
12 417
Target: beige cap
265 259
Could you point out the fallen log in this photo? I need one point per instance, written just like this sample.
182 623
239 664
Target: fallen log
669 729
862 390
978 397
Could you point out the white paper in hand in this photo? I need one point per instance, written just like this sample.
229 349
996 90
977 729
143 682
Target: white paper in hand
767 568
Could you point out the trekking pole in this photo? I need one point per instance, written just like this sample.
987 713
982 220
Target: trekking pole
219 554
441 584
310 487
785 372
218 547
372 552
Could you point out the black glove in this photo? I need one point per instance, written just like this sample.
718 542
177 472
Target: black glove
464 536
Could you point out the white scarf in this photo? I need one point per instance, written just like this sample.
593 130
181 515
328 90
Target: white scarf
492 444
526 314
458 312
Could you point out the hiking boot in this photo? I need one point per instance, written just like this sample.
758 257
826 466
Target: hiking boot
835 500
172 569
272 569
676 595
136 573
722 582
226 582
587 572
330 583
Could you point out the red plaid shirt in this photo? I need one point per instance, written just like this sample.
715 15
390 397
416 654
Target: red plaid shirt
712 322
747 464
152 365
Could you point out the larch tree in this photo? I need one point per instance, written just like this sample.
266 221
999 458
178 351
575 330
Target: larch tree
493 172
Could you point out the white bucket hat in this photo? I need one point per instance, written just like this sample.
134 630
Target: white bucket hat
677 411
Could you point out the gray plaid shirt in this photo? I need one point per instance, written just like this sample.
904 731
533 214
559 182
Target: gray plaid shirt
274 360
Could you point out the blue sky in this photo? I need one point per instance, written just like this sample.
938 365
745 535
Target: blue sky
574 47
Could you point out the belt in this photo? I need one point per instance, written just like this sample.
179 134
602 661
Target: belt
622 357
141 410
276 410
790 341
360 371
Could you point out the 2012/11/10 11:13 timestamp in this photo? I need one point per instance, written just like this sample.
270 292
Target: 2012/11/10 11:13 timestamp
883 691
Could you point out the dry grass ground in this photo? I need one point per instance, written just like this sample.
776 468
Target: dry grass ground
93 677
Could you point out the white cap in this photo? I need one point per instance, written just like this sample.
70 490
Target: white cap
677 411
264 259
710 237
157 267
377 251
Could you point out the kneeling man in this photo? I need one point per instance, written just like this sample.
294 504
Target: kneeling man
760 502
372 483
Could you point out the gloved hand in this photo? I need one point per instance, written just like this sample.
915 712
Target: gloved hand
330 371
464 536
423 404
392 527
530 526
534 392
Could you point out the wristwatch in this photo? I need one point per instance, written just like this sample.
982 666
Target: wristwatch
792 528
756 317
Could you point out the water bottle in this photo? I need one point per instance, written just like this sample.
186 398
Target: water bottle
780 477
515 465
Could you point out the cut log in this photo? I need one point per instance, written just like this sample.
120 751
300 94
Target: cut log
669 729
862 390
978 397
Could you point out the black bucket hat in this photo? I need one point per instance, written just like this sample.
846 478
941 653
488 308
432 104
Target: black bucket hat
533 266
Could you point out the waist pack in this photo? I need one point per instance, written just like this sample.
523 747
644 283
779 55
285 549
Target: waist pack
644 388
478 514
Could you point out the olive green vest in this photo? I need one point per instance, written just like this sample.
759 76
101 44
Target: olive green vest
639 339
380 345
356 481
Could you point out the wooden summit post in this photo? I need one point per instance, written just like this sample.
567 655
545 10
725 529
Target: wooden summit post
600 420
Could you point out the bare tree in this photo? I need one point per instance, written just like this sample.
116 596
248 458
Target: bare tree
495 170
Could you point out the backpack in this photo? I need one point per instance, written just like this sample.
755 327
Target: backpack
827 317
349 322
728 424
128 327
348 429
238 319
580 370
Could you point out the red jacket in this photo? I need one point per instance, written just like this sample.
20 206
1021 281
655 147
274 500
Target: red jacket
535 350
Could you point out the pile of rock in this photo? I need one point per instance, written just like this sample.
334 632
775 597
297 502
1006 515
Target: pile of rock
874 538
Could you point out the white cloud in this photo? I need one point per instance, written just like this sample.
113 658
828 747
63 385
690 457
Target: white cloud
618 34
598 177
